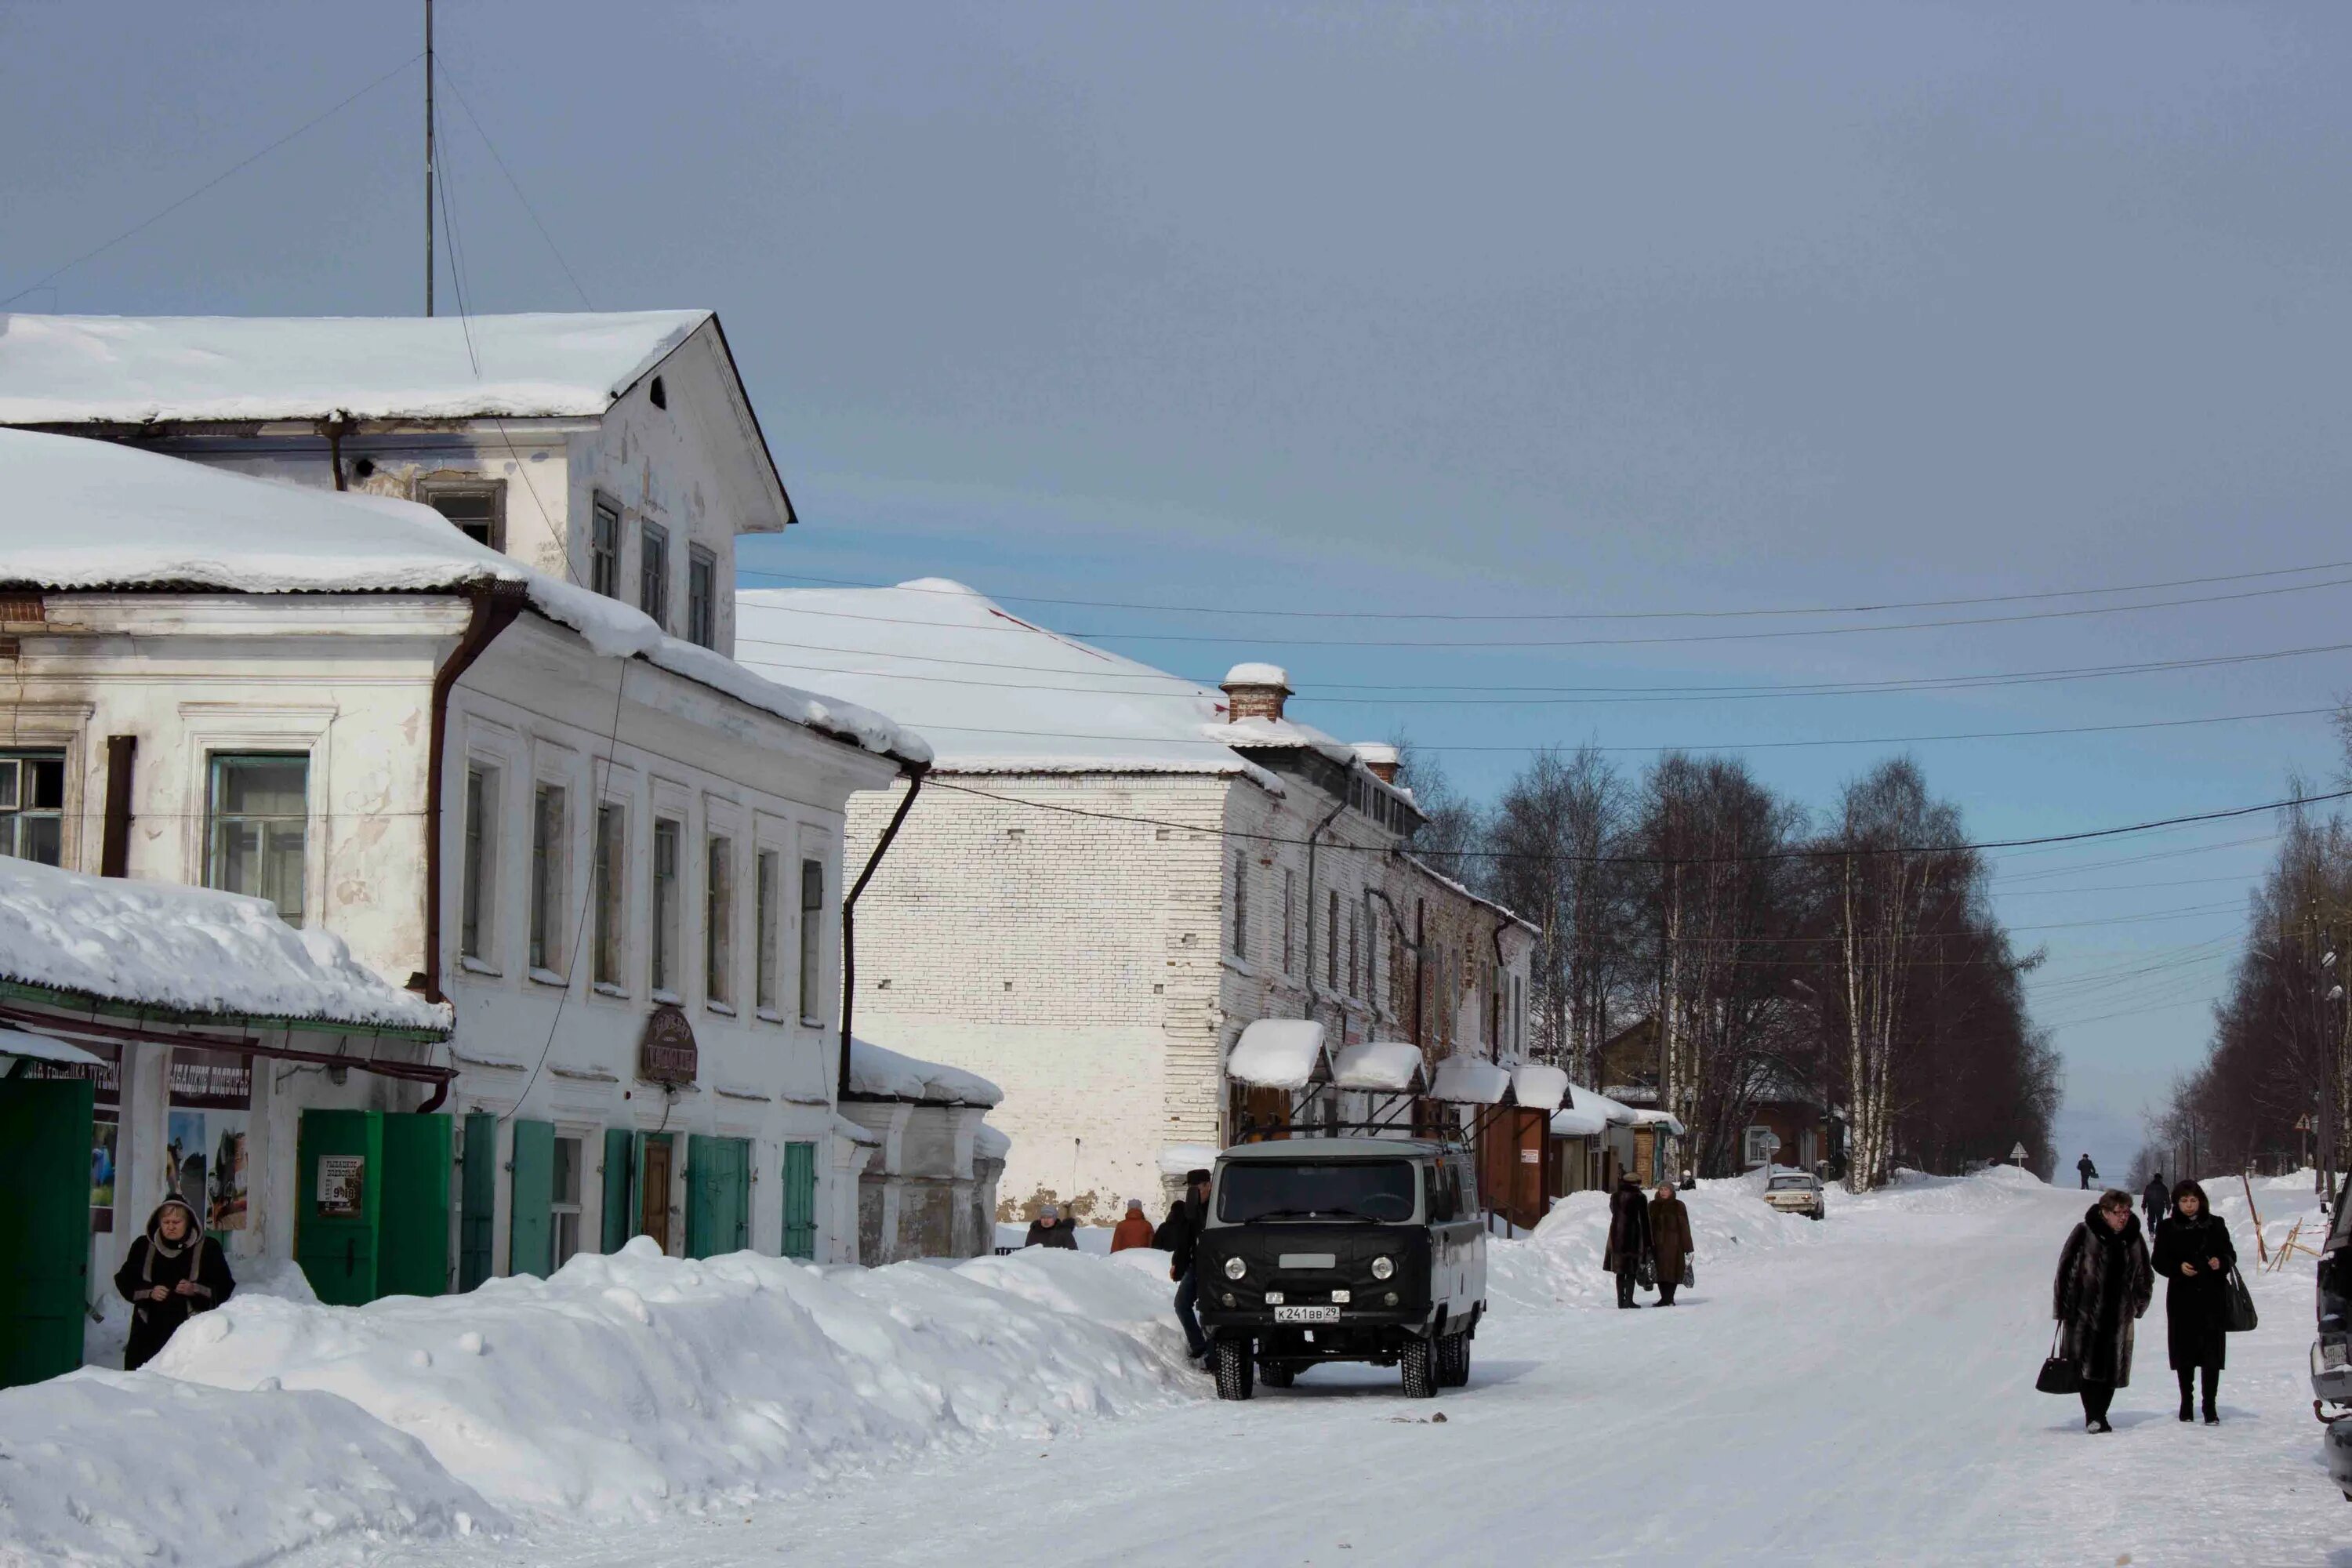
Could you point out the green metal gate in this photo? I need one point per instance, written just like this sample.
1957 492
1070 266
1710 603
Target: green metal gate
416 1215
45 1154
718 1195
371 1205
530 1213
478 1207
799 1200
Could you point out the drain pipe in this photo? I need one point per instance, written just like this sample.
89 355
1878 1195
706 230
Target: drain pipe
1312 915
495 605
914 773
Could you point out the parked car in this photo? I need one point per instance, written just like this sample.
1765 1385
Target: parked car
1796 1192
2331 1352
1342 1248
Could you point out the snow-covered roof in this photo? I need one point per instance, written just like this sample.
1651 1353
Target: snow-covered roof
1666 1119
880 1073
1277 1053
41 1048
1252 674
1469 1080
1592 1113
997 693
1384 1066
188 950
1539 1087
987 1143
81 514
57 369
1178 1160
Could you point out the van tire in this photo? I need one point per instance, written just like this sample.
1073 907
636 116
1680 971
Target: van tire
1277 1373
1453 1360
1231 1361
1419 1363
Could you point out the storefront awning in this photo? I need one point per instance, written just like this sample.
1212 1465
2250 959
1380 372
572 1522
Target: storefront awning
1379 1067
1539 1087
1469 1080
1279 1053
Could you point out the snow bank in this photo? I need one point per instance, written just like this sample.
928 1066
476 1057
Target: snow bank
187 949
1559 1263
129 369
80 514
627 1384
1277 1053
114 1467
885 1074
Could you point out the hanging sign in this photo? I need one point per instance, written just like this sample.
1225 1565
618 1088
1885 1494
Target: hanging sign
667 1052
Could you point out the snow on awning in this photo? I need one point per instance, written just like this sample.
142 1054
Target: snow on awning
1379 1067
1178 1160
1469 1080
1539 1087
876 1072
987 1143
1592 1114
193 952
1279 1053
42 1048
1666 1119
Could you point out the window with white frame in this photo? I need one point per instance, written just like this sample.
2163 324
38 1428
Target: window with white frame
719 921
1241 905
605 548
1289 921
1760 1141
259 828
663 971
563 1213
811 929
33 806
1355 945
477 921
478 508
770 895
547 866
701 596
1331 944
612 882
652 573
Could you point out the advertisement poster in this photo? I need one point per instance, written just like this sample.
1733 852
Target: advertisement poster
101 1174
341 1181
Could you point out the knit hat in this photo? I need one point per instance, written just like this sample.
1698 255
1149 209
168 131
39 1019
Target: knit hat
1048 1211
1135 1203
1195 1175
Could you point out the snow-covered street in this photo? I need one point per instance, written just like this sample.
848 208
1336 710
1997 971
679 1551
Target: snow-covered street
1859 1391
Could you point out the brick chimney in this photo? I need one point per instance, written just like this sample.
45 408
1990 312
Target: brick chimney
1255 690
1380 757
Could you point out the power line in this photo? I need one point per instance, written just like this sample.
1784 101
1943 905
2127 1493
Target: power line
1878 608
516 185
1013 625
237 167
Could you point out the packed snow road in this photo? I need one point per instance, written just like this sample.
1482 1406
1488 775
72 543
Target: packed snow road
1859 1391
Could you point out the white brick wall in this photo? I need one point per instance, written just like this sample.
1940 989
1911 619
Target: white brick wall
1086 964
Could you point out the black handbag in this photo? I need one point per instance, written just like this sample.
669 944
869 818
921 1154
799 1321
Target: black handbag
2059 1374
2242 1318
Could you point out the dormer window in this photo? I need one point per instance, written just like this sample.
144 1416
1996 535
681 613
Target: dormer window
478 508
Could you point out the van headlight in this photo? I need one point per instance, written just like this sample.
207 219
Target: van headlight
1383 1267
1236 1269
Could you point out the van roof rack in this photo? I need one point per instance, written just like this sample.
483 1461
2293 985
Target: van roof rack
1428 1129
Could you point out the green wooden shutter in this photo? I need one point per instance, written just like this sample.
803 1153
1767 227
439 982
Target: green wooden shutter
799 1200
338 1196
530 1218
620 1188
476 1209
415 1228
44 1167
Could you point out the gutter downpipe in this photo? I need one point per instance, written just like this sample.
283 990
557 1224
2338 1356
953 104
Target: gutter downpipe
914 773
1312 915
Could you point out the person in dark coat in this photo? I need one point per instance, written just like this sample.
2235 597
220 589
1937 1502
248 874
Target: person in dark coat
2088 1172
1629 1237
1178 1235
2154 1200
1047 1230
1670 1241
169 1274
2102 1286
2193 1251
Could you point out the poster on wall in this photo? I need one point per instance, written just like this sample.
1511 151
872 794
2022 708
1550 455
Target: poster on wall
341 1181
101 1174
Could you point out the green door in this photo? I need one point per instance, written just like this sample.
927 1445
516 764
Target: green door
338 1181
531 1217
45 1154
799 1200
620 1189
718 1195
415 1230
476 1211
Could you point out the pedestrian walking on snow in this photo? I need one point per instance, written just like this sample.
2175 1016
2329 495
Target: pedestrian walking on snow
2155 1200
1670 1242
169 1274
2102 1286
1134 1229
2193 1251
1629 1237
1178 1235
2088 1172
1047 1230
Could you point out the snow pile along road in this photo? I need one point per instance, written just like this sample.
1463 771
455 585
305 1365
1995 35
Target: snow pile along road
619 1387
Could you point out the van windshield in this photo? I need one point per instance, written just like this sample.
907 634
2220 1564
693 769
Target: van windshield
1335 1189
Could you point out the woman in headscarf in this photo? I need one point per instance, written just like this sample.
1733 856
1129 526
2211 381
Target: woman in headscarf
171 1273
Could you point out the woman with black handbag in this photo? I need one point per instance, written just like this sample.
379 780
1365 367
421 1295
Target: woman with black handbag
2104 1286
2193 1251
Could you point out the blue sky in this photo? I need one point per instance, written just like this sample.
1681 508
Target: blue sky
1538 310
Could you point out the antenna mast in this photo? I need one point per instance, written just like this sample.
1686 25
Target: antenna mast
428 157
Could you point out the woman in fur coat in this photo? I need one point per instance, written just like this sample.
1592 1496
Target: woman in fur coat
2104 1286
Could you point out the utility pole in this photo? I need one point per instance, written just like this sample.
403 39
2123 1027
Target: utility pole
428 157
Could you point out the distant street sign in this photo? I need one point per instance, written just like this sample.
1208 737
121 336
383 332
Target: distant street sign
2018 1154
2303 1122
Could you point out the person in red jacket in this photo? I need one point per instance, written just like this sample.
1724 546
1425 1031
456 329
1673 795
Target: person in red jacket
1134 1230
